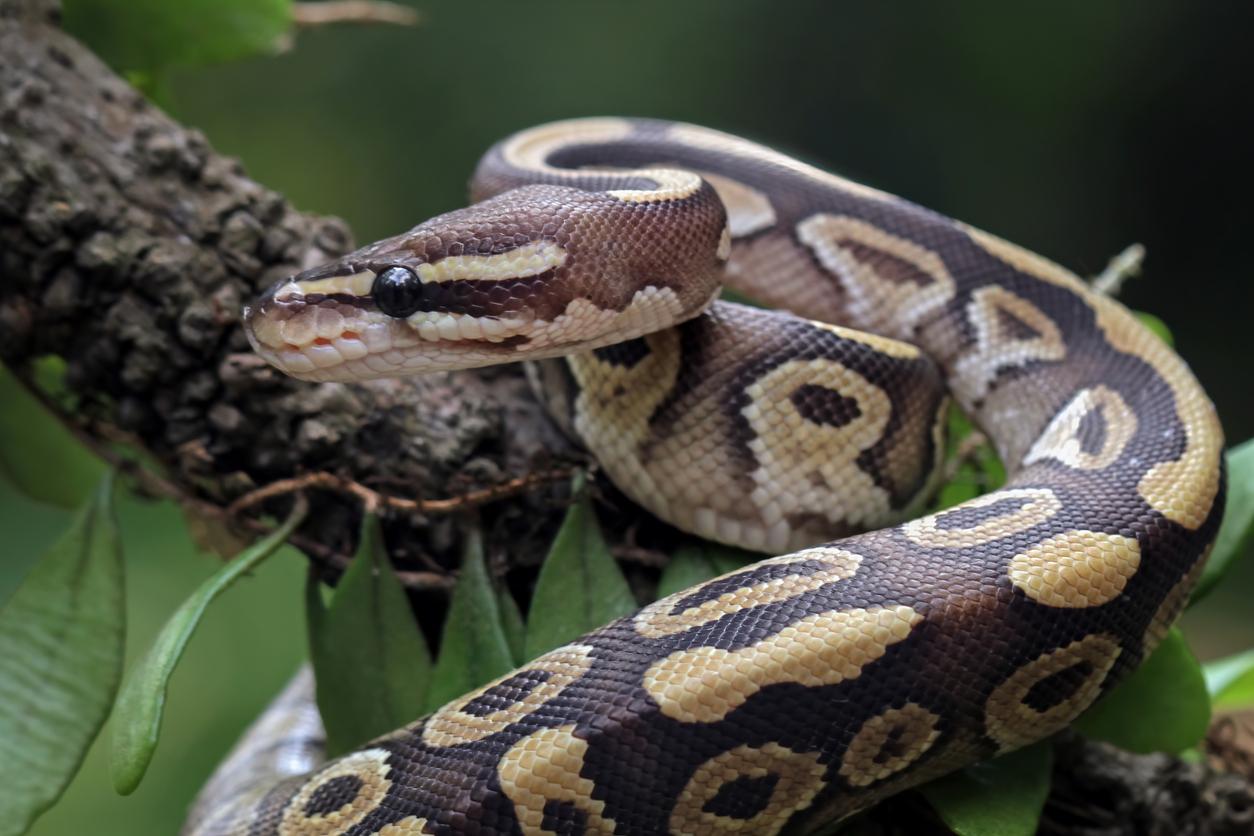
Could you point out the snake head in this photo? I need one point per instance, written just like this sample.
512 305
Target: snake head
533 273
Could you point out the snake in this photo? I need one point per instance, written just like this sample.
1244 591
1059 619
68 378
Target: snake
881 647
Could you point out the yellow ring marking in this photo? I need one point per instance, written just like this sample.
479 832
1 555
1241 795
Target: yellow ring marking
705 684
658 619
531 148
543 767
453 725
368 766
1172 605
1061 439
672 184
1040 504
1076 568
995 313
807 467
868 260
1183 490
1011 719
799 778
888 743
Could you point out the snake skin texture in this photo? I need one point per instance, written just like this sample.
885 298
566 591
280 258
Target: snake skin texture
805 687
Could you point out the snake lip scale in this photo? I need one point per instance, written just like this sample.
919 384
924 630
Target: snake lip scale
880 649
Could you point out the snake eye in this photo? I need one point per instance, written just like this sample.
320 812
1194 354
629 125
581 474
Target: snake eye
397 291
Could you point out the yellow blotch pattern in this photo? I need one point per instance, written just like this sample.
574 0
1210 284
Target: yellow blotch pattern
705 684
544 767
1076 568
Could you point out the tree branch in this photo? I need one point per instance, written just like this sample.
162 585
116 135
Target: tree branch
127 246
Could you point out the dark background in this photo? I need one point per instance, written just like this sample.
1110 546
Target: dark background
1073 130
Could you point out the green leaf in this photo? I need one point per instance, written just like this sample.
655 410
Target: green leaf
371 663
1162 706
512 624
62 637
1157 326
1230 680
580 587
474 650
1002 797
698 562
141 705
37 454
1236 532
145 38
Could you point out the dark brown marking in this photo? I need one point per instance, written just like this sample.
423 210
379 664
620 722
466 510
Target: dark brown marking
743 797
1058 687
333 794
964 519
1093 431
821 405
505 694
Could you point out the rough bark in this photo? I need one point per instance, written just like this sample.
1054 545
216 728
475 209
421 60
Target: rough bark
126 248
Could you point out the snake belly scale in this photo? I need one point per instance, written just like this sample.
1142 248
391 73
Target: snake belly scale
805 687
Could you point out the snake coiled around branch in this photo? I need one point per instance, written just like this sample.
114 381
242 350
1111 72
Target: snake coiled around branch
803 688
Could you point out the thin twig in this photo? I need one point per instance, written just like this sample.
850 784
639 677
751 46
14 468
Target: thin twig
373 500
354 11
1122 267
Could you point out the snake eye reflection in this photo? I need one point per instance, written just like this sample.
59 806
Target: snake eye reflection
397 291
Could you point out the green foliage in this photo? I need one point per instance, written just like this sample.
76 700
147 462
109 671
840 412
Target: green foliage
37 454
512 623
141 705
1236 532
978 474
371 664
1231 681
475 650
144 39
1157 326
1162 706
580 586
61 645
1002 797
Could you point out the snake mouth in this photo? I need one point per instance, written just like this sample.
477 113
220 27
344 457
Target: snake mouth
333 336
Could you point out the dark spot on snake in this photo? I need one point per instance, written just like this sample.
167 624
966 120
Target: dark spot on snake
333 794
748 578
1058 687
743 797
1015 328
1092 431
965 519
886 265
821 405
505 694
624 355
892 747
564 819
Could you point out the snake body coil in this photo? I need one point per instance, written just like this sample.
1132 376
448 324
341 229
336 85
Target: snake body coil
805 687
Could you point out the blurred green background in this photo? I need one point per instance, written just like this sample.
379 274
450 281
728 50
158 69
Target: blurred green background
1073 131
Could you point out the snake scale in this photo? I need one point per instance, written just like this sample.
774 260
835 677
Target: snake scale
805 687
